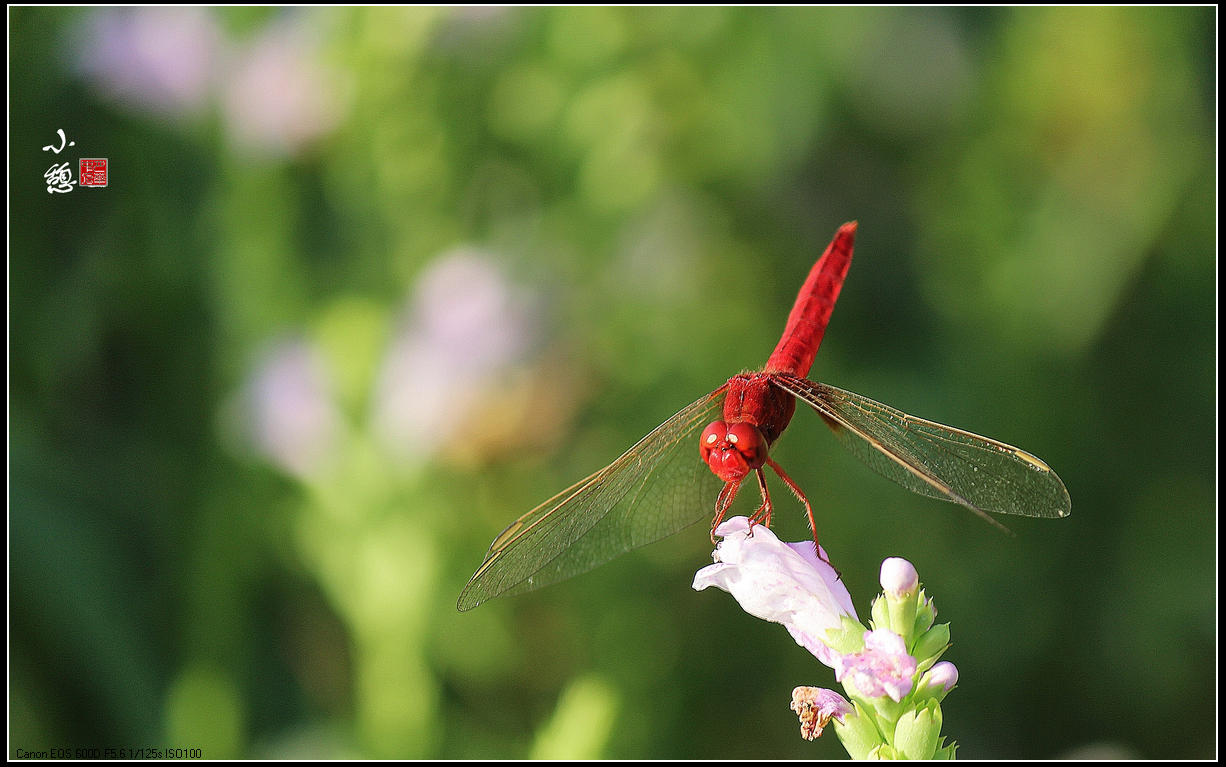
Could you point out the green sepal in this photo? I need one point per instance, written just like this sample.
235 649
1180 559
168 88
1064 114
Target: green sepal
924 692
949 752
925 614
924 665
902 616
852 625
882 753
881 613
917 731
932 643
888 712
858 733
848 639
865 702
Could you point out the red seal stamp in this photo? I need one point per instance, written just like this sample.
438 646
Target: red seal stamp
93 172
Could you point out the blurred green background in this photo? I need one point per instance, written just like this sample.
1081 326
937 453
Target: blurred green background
366 285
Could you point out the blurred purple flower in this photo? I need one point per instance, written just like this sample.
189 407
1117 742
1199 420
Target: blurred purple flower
159 59
292 416
279 96
468 324
276 95
882 668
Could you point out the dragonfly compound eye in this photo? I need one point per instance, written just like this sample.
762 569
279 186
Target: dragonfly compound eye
749 443
714 437
732 450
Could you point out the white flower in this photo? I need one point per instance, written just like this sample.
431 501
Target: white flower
780 582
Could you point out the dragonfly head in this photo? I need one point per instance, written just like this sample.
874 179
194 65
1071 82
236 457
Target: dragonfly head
732 450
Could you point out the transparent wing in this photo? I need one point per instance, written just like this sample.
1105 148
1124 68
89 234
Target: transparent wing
934 460
654 489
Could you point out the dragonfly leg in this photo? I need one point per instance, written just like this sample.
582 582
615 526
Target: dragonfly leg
722 503
801 496
763 514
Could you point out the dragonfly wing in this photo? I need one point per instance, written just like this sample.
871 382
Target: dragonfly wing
934 460
654 489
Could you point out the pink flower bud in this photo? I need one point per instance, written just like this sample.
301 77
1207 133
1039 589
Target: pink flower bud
898 577
944 674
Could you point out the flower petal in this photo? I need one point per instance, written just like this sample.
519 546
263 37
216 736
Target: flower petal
898 577
779 582
816 706
883 668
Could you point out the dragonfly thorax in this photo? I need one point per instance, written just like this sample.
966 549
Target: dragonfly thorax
732 450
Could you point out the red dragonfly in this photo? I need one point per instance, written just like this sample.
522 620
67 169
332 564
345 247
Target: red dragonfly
662 484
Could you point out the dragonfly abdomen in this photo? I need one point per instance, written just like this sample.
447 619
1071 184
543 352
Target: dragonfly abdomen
811 313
